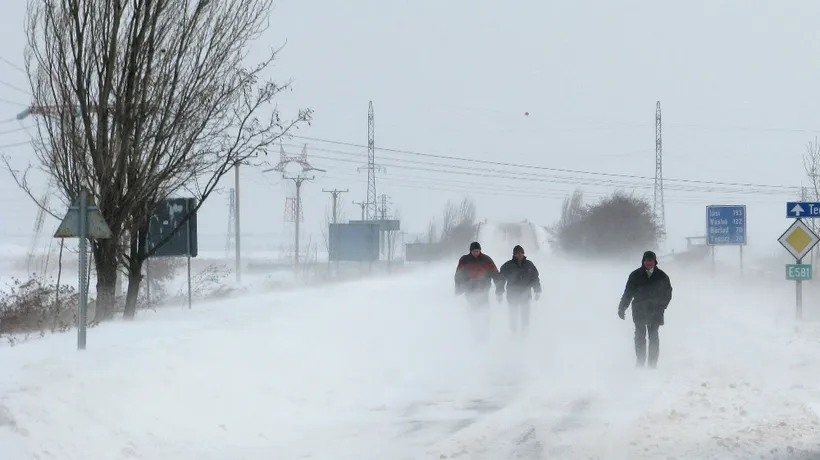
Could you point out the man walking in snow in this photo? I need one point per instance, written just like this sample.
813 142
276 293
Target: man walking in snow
520 277
649 290
474 274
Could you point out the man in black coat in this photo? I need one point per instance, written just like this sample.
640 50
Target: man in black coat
649 290
521 278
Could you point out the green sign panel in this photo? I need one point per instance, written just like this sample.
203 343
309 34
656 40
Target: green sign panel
798 272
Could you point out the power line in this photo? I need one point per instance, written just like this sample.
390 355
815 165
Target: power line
16 88
13 65
418 182
545 168
495 173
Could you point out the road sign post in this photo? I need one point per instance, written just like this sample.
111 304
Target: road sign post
83 220
172 232
798 272
799 240
726 226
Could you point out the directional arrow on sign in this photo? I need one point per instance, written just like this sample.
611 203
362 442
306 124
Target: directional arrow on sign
802 210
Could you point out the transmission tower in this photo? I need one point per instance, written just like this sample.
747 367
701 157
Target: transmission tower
372 206
658 208
293 205
383 198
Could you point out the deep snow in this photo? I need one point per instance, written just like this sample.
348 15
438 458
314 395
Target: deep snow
388 369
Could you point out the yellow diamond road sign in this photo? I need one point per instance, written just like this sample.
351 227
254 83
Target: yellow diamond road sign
798 239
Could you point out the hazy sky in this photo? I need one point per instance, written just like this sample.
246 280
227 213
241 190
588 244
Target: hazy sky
736 79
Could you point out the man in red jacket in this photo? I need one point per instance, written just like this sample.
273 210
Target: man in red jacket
474 273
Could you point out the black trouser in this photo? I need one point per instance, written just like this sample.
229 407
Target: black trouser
519 308
641 331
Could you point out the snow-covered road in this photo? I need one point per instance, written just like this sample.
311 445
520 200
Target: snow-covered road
388 369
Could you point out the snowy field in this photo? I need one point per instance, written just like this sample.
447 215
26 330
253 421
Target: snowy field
388 369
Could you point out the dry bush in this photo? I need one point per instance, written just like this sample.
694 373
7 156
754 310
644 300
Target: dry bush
161 271
617 225
208 283
33 306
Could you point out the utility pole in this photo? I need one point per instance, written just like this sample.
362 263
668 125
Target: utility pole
385 240
335 194
229 242
383 209
363 205
298 180
237 245
237 253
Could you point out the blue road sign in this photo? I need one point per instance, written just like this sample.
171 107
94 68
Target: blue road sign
725 225
800 210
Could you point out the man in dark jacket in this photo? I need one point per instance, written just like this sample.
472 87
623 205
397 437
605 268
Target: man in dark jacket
649 290
520 277
474 273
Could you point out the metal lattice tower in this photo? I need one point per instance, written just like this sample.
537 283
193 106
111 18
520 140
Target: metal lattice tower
372 205
371 163
658 208
293 208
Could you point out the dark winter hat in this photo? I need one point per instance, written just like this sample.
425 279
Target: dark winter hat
649 255
474 245
518 249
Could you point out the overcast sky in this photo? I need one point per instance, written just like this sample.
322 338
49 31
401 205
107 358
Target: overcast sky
737 81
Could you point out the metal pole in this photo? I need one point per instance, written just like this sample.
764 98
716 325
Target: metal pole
188 242
714 263
297 214
798 313
238 255
82 320
741 261
335 197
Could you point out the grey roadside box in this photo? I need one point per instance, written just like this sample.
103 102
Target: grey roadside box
83 220
172 233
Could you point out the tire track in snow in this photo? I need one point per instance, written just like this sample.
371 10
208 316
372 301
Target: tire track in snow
510 434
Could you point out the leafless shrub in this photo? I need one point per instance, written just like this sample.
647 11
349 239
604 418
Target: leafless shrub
33 307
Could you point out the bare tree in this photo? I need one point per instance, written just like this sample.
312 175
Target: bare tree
326 228
449 220
144 99
432 232
565 231
811 164
466 212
